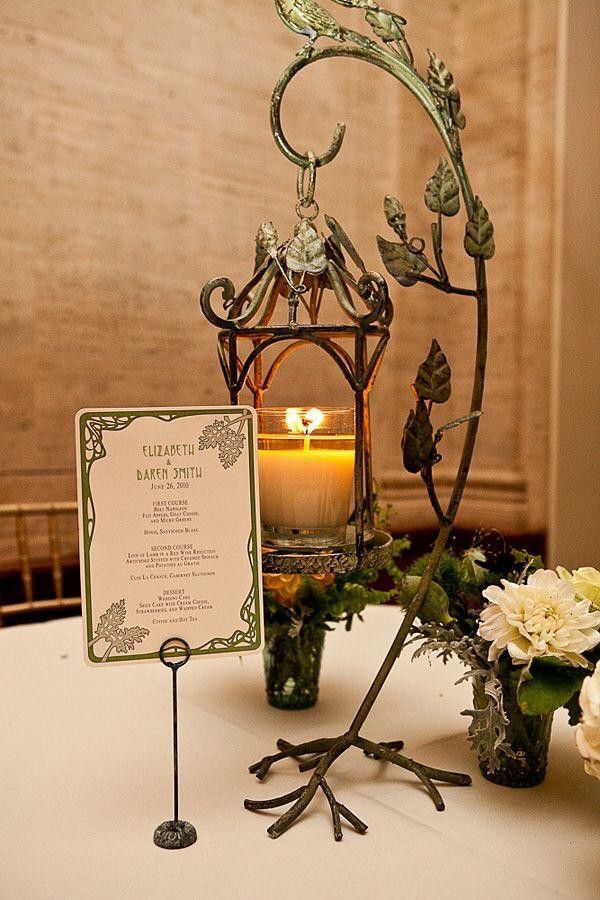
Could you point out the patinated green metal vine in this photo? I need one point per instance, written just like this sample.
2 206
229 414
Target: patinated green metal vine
406 259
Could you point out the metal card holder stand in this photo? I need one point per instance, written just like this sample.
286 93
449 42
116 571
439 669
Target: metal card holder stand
175 834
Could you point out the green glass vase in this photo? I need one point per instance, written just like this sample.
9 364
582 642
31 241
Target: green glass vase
293 666
527 736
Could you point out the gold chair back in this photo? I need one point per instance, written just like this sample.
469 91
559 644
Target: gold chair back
40 547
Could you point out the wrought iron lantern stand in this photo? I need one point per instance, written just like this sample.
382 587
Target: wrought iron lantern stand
300 271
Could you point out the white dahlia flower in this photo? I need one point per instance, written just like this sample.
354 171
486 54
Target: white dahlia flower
587 734
541 617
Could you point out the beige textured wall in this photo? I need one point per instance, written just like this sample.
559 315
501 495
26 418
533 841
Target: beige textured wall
574 532
136 162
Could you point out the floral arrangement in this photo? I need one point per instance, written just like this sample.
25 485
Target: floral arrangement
297 602
588 731
528 637
299 610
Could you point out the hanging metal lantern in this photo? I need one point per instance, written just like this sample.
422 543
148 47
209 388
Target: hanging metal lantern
291 280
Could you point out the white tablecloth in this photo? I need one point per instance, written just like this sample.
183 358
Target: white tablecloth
86 776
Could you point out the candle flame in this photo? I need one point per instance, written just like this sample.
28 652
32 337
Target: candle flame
300 422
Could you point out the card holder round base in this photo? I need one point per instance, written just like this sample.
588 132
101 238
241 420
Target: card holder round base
175 835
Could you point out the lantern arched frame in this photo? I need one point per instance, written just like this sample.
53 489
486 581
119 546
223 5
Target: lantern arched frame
249 324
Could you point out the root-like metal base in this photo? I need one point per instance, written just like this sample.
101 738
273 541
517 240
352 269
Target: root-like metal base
320 755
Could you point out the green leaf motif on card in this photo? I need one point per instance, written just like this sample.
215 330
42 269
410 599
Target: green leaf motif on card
433 380
404 265
417 440
220 435
442 194
479 234
108 629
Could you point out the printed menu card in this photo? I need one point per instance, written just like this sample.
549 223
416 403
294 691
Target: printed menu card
169 531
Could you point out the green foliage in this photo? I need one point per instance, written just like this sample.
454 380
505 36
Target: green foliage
347 597
573 708
547 686
435 606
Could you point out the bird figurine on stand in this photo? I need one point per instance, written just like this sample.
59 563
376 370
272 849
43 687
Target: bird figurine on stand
308 18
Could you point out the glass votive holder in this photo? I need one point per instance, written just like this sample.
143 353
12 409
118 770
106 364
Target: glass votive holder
306 475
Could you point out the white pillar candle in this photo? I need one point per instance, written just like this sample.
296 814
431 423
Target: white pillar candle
306 477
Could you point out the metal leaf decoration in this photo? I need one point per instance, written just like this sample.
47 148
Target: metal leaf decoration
267 238
386 25
417 440
442 83
266 243
306 251
442 194
395 215
344 241
333 251
401 263
433 380
479 235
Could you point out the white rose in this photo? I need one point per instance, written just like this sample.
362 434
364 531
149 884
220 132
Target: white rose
542 617
587 734
586 582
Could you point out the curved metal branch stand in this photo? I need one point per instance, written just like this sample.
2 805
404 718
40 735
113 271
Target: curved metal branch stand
407 263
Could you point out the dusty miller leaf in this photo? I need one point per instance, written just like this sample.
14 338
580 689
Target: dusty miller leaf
343 239
442 191
434 376
400 262
487 731
445 643
479 234
395 215
417 440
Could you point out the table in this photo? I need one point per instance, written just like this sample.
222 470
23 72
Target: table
86 776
